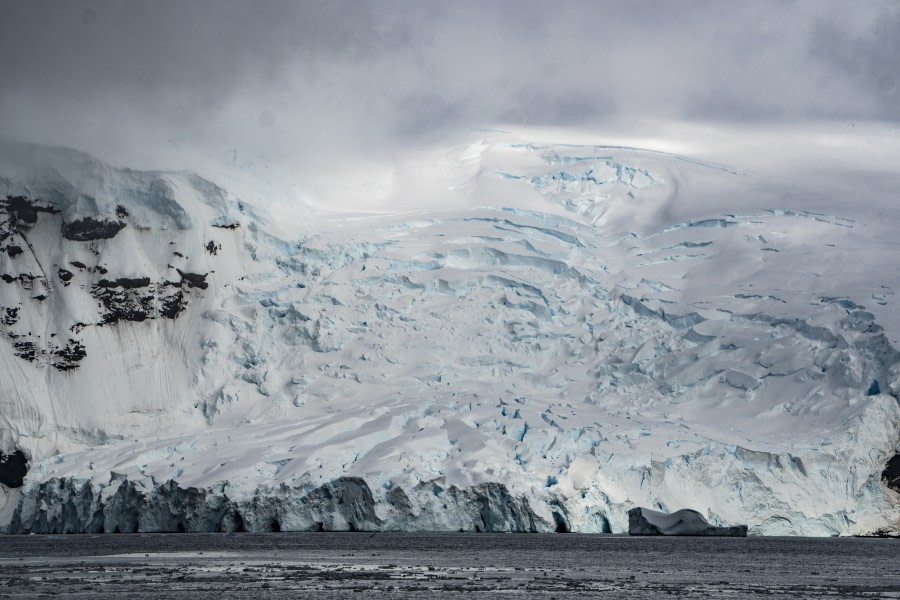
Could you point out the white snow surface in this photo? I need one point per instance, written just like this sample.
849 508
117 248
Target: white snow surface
594 326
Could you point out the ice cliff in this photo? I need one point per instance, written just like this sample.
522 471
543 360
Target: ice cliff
579 331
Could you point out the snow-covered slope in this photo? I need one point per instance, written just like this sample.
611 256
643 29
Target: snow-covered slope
558 333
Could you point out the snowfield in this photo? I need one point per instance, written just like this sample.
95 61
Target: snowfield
553 333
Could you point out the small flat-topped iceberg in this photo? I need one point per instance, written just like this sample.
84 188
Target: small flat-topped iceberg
643 521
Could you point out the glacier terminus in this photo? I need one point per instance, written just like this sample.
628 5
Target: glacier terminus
541 334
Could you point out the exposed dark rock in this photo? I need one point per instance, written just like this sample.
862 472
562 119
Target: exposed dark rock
20 214
13 468
643 521
68 357
891 473
10 316
121 212
7 278
78 264
124 303
172 305
223 222
193 279
213 248
23 212
884 532
125 283
26 350
90 228
138 299
65 275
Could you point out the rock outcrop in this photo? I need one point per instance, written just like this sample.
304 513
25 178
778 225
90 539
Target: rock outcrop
13 468
891 473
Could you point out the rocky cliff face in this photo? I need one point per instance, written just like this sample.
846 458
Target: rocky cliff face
175 357
13 468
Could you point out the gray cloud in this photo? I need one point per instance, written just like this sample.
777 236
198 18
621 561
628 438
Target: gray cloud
293 78
867 60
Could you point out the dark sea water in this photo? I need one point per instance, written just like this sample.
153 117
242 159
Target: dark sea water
364 565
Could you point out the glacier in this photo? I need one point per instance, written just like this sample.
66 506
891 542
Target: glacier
569 331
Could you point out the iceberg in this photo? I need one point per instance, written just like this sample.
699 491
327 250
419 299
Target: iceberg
643 521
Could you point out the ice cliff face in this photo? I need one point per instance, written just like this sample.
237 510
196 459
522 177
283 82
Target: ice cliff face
611 335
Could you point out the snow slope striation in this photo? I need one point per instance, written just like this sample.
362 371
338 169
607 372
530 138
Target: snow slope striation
571 331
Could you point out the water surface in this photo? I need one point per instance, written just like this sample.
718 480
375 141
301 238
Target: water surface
388 565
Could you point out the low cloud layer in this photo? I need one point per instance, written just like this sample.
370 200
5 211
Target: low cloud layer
290 79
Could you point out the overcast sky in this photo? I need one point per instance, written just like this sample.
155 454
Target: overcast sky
285 78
